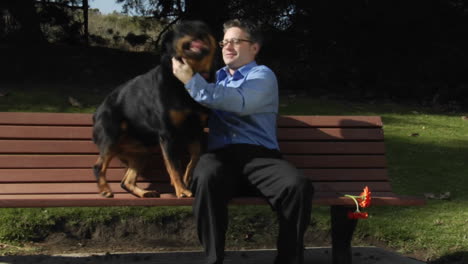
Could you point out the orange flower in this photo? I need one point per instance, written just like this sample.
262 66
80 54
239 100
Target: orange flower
365 198
364 201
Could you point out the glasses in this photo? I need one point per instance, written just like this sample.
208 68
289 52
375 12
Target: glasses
234 41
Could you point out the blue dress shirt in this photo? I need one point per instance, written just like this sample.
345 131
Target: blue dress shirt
245 106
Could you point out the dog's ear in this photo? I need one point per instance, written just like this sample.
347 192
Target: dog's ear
167 46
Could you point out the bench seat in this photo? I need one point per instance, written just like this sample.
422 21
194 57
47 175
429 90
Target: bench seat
46 160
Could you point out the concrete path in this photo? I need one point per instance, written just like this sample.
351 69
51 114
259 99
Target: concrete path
362 255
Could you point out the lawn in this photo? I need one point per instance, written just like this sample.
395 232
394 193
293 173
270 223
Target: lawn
427 154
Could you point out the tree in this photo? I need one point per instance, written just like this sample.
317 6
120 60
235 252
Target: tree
28 24
85 21
212 12
272 13
27 16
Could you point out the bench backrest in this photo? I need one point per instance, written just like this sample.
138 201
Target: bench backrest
52 153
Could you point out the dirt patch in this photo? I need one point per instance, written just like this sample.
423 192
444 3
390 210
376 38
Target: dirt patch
137 236
131 235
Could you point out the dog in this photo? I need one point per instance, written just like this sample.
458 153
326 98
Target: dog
155 109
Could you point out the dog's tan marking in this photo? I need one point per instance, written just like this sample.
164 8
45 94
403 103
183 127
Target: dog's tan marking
195 151
124 126
128 183
179 46
203 118
103 186
178 116
175 175
206 63
130 145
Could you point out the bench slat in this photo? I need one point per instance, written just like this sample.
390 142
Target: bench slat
329 121
86 175
87 161
330 134
332 147
45 132
63 188
51 161
85 132
338 161
68 200
18 118
126 195
86 146
47 146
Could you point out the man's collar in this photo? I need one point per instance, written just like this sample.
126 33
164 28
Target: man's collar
241 72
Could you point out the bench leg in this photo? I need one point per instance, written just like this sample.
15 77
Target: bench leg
342 233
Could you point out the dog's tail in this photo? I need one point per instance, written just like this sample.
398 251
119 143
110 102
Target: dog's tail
107 129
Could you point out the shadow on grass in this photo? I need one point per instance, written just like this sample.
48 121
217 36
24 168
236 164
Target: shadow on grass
455 258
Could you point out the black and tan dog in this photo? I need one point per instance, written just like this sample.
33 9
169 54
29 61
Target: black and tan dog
154 109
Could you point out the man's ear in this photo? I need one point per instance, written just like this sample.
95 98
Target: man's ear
256 48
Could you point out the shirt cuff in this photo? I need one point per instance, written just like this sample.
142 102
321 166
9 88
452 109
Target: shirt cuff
195 85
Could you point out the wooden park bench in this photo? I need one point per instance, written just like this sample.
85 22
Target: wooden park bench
46 160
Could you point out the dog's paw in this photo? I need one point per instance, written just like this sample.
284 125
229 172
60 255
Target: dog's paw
185 194
151 194
107 194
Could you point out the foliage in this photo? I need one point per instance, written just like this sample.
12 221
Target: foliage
123 32
376 49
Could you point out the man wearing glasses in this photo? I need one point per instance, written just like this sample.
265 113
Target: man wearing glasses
243 152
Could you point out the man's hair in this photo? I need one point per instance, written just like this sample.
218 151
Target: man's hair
252 29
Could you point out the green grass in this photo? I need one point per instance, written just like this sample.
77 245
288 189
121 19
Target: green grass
49 98
35 224
432 162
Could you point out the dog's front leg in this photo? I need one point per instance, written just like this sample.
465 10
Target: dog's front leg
129 181
195 151
174 172
100 169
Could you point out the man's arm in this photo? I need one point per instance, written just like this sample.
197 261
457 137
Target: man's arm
258 93
182 70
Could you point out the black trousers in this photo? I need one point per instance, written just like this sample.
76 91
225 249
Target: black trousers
235 170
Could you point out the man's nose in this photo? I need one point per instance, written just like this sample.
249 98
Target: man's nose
229 44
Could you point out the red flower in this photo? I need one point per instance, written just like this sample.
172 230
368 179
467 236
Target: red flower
365 198
358 215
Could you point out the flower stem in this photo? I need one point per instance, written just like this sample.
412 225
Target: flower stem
355 201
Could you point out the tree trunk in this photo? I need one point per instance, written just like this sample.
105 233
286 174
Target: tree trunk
85 21
24 12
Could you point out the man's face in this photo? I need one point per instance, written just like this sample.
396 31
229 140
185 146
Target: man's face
240 54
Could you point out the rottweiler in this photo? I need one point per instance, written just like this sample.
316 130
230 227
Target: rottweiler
155 109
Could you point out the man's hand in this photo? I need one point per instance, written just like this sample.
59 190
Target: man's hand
182 70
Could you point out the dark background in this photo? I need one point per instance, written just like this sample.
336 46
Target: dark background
411 50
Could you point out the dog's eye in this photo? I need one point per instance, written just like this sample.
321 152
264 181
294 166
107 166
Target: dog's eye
186 45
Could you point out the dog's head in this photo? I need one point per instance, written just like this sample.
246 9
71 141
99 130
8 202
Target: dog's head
193 41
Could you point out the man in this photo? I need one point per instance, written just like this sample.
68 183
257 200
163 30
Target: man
242 147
